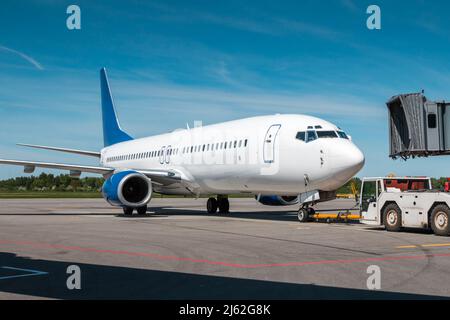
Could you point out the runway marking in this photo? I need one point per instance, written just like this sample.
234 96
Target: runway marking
29 273
428 245
224 263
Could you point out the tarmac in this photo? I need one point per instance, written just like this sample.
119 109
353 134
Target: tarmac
178 251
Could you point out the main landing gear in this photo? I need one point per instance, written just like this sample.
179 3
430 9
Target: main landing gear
221 203
128 211
304 213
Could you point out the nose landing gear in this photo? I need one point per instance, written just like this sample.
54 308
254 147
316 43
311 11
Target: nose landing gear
304 213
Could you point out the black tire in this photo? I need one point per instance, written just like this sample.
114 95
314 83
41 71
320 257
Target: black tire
303 214
211 205
128 211
392 217
142 210
224 205
440 217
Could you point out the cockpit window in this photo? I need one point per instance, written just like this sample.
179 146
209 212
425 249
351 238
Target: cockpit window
311 136
342 135
327 134
301 135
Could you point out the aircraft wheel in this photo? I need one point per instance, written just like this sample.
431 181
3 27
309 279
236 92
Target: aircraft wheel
224 205
303 214
128 211
440 220
211 205
142 210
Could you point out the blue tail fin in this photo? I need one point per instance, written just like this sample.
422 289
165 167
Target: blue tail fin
112 133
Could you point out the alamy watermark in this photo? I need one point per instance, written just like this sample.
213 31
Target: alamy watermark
74 279
374 280
374 20
73 21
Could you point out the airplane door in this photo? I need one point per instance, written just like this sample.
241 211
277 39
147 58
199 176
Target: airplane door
168 154
269 143
162 155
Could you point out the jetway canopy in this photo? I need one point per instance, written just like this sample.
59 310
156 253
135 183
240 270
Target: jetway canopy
418 127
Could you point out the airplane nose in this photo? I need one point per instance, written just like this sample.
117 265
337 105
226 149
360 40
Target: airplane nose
346 161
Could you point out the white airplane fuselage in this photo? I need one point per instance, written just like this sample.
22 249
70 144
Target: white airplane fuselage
258 155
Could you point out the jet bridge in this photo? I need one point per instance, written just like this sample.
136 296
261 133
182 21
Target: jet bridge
418 127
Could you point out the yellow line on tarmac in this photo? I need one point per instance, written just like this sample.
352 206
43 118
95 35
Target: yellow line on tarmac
436 245
425 245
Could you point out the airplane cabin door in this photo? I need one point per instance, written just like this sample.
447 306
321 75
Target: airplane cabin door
269 143
162 155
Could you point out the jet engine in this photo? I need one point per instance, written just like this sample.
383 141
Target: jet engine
277 200
273 200
127 189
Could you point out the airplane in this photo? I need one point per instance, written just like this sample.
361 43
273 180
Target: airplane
282 159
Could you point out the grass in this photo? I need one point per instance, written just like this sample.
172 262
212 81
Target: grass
47 194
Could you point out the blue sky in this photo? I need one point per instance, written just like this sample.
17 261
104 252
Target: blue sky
172 62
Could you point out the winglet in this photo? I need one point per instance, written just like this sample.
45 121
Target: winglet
112 132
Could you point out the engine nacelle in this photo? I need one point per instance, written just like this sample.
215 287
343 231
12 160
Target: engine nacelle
127 189
312 197
278 200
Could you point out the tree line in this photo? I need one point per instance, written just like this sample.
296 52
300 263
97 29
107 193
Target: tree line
64 182
50 182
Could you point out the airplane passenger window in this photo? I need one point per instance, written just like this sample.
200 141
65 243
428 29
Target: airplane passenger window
327 134
204 147
235 144
245 143
311 136
301 135
240 143
342 134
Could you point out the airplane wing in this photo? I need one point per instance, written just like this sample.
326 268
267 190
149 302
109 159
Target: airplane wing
81 152
161 177
29 166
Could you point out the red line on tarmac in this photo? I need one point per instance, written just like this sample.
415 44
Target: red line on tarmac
221 263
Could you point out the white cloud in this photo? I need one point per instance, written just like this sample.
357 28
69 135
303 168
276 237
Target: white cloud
23 56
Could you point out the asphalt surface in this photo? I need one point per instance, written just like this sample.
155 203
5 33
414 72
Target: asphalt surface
178 251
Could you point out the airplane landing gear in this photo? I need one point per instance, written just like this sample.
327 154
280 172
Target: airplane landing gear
221 203
211 205
128 211
142 210
224 204
304 213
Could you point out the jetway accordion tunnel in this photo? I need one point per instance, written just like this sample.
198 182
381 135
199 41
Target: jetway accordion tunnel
418 127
